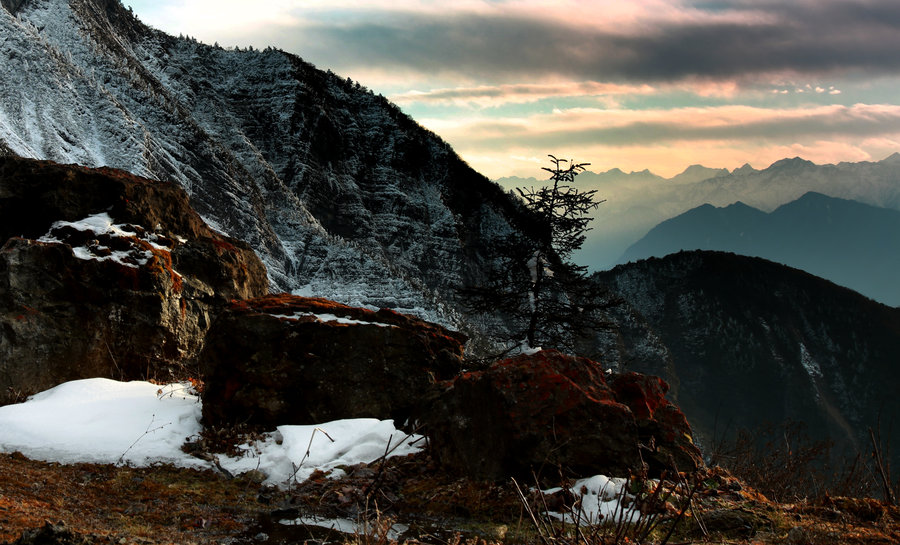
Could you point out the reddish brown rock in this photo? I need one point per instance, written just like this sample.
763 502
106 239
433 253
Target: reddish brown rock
546 411
664 432
85 299
284 359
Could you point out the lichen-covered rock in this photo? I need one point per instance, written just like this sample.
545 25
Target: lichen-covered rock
663 430
548 410
285 359
106 274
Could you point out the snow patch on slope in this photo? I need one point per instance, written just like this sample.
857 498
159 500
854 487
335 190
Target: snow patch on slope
809 363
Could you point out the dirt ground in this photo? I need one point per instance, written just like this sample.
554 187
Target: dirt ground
88 503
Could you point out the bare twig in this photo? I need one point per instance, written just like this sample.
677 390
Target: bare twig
544 539
883 473
146 432
115 363
308 448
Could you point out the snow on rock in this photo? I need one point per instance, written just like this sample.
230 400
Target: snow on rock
140 424
102 226
105 274
329 318
284 359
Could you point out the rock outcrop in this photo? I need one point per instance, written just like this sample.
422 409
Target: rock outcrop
549 410
106 274
285 359
665 436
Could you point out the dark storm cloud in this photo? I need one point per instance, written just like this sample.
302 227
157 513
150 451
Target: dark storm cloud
756 37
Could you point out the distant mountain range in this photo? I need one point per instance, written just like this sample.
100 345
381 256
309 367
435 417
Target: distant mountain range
638 201
852 244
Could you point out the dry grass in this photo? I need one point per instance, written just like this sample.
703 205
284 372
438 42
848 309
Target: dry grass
169 505
161 504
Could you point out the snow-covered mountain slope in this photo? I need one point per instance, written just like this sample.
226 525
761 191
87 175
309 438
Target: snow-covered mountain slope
340 193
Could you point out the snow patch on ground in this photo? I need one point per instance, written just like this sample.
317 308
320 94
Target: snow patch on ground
345 526
599 499
293 453
104 421
141 424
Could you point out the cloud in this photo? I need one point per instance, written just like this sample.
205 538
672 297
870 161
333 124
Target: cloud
482 42
210 19
666 140
649 42
494 95
653 127
683 67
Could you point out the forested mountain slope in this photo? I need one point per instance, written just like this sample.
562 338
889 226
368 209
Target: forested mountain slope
756 343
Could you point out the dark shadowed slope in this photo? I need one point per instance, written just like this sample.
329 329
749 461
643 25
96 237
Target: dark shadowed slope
754 342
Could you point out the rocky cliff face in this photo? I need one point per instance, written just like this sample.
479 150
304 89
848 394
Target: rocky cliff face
106 274
340 193
754 343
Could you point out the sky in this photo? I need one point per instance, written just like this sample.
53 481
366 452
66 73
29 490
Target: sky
631 84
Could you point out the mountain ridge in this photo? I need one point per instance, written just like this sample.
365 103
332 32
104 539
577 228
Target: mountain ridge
756 343
634 204
317 173
850 243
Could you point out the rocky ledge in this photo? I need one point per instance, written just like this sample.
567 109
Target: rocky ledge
106 274
284 359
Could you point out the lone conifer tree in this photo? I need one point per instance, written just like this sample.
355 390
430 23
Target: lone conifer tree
549 298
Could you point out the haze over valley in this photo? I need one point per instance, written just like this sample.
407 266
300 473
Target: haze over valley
639 205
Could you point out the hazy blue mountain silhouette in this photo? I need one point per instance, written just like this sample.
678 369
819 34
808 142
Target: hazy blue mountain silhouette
852 244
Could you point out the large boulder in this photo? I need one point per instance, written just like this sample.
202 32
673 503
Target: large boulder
549 411
663 430
285 359
106 274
